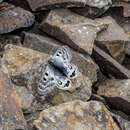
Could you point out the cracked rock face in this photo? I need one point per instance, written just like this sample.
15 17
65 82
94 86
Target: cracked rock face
13 18
72 29
26 65
76 115
117 93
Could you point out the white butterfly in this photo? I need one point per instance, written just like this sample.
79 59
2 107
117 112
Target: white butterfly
58 73
61 60
51 79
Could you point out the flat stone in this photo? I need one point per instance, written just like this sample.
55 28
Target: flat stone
19 61
72 29
49 4
113 33
23 65
117 93
76 115
49 45
11 116
108 65
13 18
113 39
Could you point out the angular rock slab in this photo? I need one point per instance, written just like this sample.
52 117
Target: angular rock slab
124 120
51 4
12 18
76 115
108 65
48 46
18 60
23 66
113 39
11 116
117 93
72 29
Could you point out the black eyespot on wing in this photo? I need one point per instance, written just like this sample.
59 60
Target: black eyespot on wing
44 79
46 74
67 84
73 74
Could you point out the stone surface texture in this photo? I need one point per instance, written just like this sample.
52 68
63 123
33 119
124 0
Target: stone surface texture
13 18
11 116
76 115
72 29
117 93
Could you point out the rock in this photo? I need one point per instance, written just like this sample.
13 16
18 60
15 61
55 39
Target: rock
11 116
127 48
49 4
72 29
48 46
13 18
113 33
19 61
99 4
25 67
108 65
117 93
6 39
126 7
76 115
24 96
123 120
113 39
87 11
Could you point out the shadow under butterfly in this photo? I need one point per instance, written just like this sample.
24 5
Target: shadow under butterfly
58 73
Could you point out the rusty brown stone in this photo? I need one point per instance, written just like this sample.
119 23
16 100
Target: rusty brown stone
117 93
110 66
11 116
23 64
76 115
72 29
113 39
49 45
13 18
17 60
49 4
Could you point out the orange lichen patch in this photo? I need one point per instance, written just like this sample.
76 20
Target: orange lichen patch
18 60
12 116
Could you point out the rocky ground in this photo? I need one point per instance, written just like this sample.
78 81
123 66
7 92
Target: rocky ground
98 35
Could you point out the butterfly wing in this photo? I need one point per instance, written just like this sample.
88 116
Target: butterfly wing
47 82
62 56
70 70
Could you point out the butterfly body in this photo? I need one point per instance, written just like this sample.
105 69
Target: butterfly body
58 73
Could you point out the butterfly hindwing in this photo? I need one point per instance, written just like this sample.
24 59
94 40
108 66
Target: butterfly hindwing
51 79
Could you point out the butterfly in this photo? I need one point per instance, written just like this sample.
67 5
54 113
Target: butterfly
62 60
51 79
